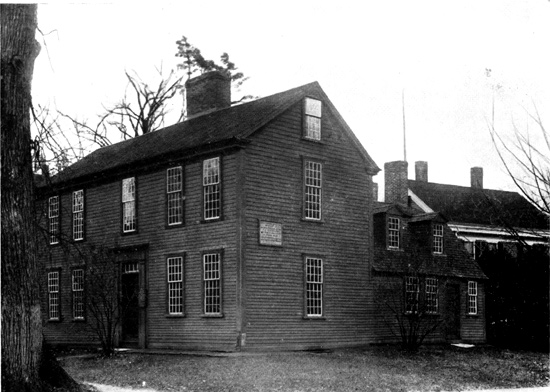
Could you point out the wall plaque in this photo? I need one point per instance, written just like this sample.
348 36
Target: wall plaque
271 233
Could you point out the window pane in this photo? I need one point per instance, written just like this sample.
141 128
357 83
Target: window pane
211 171
313 107
128 189
78 215
432 301
53 295
53 217
313 128
314 286
212 283
175 285
411 294
313 184
393 232
438 238
78 293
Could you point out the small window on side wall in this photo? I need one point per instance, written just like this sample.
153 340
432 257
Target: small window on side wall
312 118
437 239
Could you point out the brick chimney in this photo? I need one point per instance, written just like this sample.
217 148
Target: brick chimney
421 171
208 91
476 177
374 191
396 182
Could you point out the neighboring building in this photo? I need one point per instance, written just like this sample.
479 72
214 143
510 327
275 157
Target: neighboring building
243 227
482 218
422 269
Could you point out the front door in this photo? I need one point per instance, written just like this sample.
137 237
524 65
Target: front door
453 312
129 305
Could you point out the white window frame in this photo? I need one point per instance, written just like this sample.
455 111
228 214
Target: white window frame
211 181
212 284
312 118
314 279
77 286
472 297
313 192
394 232
54 312
432 294
174 281
437 233
412 291
78 215
129 216
174 196
53 219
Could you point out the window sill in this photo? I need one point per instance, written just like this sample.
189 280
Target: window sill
473 316
206 221
174 226
79 320
54 321
313 220
174 316
307 139
323 318
395 249
439 254
212 315
128 233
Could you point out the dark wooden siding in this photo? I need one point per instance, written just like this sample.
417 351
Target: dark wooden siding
274 275
103 228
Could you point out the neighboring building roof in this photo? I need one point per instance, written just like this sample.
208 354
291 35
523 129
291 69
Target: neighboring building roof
479 206
210 131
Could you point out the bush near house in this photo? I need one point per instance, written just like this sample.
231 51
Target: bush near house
517 297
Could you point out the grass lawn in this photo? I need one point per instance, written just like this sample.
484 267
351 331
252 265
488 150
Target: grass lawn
373 368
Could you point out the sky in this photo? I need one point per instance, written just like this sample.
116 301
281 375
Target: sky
447 61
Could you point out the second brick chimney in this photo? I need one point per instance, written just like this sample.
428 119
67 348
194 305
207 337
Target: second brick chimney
208 91
476 177
421 171
396 182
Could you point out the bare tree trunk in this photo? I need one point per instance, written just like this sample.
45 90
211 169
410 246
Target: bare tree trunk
21 319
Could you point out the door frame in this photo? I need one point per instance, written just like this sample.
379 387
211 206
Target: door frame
136 254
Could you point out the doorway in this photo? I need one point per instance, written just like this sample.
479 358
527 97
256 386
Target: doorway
129 305
453 312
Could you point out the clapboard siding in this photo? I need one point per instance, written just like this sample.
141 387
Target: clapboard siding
103 228
275 275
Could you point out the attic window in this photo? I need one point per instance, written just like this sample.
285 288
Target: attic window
312 119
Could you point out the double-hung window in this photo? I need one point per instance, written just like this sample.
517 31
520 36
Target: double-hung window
78 294
437 239
314 287
212 283
129 221
411 294
53 295
78 215
174 270
432 301
313 177
211 180
53 219
312 118
393 233
472 297
174 195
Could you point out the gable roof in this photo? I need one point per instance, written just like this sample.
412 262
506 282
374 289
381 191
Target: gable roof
479 206
215 129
